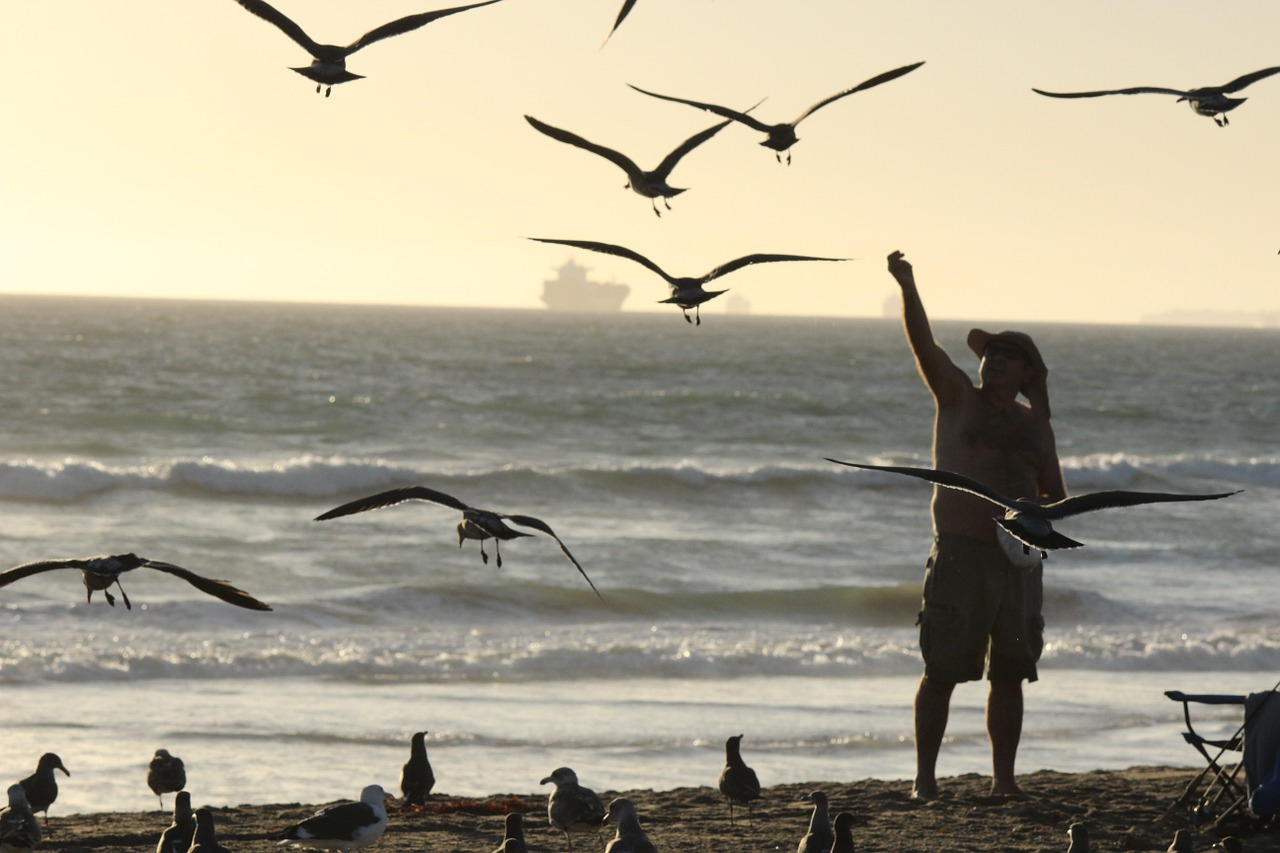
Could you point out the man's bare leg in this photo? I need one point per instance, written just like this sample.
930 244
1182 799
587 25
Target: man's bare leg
1004 727
933 703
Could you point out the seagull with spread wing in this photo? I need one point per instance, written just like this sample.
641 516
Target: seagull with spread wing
328 67
1211 101
622 16
686 292
480 524
1032 523
100 573
651 184
782 136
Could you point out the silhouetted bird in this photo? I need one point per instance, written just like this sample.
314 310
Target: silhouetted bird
19 830
782 136
629 837
650 184
1182 842
1078 836
345 826
41 787
166 774
476 523
1030 522
205 838
100 573
178 835
513 835
417 780
686 292
737 781
843 834
328 67
1211 101
572 807
819 838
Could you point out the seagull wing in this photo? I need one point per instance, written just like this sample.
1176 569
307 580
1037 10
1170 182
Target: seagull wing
1105 500
391 498
539 524
26 570
610 249
942 478
619 159
1254 77
865 84
669 162
216 588
711 108
406 24
622 16
726 268
269 13
1137 90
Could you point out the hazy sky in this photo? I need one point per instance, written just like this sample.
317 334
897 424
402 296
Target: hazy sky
163 148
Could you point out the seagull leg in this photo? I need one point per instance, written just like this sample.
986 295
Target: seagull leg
697 312
685 311
328 91
666 201
497 549
127 605
656 212
483 556
318 87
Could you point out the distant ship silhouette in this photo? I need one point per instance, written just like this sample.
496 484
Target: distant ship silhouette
571 290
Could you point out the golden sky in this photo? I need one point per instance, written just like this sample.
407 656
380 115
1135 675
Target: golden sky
163 148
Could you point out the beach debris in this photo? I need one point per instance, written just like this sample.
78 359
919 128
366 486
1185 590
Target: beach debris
571 807
345 826
479 524
737 781
41 788
166 774
100 573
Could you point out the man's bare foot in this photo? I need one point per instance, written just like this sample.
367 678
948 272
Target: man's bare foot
924 791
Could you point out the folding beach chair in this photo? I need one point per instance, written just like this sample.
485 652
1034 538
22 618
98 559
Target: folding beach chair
1217 791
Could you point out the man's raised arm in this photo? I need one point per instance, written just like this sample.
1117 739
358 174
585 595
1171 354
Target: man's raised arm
940 373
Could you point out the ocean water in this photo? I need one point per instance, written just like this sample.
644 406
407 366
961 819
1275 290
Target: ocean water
749 586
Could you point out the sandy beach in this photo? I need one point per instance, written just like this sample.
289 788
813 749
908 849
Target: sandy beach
1122 809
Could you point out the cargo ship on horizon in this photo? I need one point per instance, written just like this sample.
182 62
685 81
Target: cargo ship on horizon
571 290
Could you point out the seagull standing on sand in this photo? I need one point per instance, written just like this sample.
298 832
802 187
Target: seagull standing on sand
166 774
513 835
205 838
480 524
782 136
41 787
178 835
737 781
686 292
843 834
650 184
101 573
820 837
19 830
1078 837
1211 101
1029 522
571 807
345 826
328 67
629 838
416 779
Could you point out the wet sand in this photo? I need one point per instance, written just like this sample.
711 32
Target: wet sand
1122 809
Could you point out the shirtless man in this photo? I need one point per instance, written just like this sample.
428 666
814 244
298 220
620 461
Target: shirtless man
982 598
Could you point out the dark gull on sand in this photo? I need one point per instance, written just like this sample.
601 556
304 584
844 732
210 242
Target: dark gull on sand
41 787
476 523
513 835
166 774
205 839
572 807
417 779
819 837
101 573
329 61
178 835
345 826
1029 522
19 829
629 837
737 781
843 833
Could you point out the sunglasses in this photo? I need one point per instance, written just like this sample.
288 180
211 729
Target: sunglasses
1007 351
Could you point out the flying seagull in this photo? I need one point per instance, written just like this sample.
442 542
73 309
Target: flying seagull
685 292
100 573
650 184
1029 522
1211 101
328 67
476 523
782 136
622 16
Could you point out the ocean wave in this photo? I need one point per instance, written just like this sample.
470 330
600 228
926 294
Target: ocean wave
311 476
